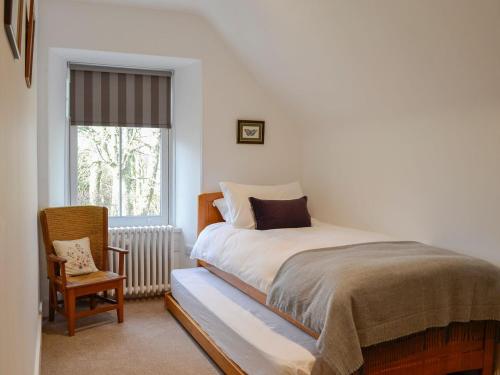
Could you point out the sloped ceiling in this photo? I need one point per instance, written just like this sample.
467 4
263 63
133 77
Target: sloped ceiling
332 60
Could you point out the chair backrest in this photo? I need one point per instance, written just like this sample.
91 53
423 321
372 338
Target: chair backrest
74 222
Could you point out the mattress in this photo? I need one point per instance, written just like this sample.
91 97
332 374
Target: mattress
255 256
255 338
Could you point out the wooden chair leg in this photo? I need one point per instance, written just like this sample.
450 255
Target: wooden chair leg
119 301
70 302
52 302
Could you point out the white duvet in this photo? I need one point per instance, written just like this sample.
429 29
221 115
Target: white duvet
255 256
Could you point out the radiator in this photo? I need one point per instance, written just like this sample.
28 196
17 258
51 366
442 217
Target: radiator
149 260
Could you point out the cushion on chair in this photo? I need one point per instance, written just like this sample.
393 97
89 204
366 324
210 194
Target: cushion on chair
77 254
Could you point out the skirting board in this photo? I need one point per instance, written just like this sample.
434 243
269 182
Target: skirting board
218 356
38 347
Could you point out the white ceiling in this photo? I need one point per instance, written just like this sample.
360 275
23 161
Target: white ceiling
333 60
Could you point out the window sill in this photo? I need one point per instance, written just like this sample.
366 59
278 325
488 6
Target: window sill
132 221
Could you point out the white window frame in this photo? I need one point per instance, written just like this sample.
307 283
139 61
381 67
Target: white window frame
165 183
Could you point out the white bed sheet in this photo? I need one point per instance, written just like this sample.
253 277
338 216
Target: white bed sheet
255 256
258 340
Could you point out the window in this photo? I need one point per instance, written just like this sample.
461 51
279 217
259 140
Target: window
119 159
120 168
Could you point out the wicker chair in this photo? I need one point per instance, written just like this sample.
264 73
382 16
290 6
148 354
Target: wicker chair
70 223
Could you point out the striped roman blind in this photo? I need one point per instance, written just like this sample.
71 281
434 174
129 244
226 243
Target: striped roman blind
103 96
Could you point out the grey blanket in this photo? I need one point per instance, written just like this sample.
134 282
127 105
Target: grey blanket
360 295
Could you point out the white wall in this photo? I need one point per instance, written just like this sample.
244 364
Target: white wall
188 118
20 321
413 147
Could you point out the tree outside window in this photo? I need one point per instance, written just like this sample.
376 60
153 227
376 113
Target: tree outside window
120 168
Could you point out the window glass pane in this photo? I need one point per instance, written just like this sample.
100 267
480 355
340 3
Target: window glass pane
141 172
98 172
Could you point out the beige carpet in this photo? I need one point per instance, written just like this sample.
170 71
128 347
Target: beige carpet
150 341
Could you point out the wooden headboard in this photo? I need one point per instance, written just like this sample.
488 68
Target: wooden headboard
207 213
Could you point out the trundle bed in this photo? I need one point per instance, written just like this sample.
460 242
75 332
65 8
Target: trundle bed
435 351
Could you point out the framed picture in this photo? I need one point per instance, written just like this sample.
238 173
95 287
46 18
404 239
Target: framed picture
30 42
250 132
13 21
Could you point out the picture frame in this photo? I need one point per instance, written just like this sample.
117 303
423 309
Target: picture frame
250 132
30 42
13 22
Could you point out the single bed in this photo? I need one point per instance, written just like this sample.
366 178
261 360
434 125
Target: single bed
256 338
458 347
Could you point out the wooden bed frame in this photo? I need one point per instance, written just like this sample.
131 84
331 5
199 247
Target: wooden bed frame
436 351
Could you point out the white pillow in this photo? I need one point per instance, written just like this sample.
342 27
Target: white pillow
221 205
78 256
236 196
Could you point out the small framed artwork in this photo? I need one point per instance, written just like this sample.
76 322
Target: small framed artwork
13 21
30 42
250 132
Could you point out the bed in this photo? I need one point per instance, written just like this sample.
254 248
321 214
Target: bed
457 347
252 335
